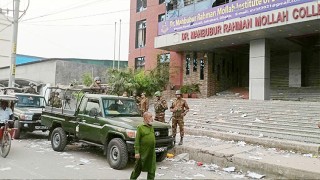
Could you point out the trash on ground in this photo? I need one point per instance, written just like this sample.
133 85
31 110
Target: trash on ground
199 175
307 155
195 113
5 169
182 157
229 169
254 157
241 143
158 174
260 135
258 120
170 155
191 162
244 115
238 176
255 175
199 163
210 167
162 167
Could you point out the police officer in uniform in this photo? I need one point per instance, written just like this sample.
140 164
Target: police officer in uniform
179 109
160 106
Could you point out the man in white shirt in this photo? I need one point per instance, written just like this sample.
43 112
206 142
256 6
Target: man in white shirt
5 112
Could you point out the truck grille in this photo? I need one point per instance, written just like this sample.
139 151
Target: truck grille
36 116
160 133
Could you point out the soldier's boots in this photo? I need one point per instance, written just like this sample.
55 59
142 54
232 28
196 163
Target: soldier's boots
181 141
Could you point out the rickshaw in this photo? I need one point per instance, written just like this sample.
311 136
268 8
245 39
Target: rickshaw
5 131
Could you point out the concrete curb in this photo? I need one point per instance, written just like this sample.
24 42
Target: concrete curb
244 164
267 142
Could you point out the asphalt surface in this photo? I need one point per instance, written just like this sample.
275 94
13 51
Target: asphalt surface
33 158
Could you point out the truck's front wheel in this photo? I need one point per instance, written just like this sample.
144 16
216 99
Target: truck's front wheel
117 153
58 139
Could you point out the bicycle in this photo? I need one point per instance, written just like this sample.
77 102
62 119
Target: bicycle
5 139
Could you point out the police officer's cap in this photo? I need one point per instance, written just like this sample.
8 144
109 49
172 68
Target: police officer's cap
157 93
97 78
178 92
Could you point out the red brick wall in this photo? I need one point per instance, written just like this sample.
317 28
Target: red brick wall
149 52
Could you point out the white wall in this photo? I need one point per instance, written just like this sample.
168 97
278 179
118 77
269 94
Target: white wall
5 41
43 71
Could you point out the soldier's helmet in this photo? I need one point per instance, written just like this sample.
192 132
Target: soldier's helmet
31 84
97 79
178 92
157 94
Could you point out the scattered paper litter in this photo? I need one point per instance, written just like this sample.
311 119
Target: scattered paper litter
182 157
260 135
191 162
229 169
158 174
195 113
258 120
65 154
85 161
244 115
162 167
241 143
254 157
5 169
199 175
211 167
238 176
255 175
307 155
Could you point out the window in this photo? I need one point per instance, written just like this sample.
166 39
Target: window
195 62
141 5
140 62
161 1
164 58
201 69
161 17
188 64
93 108
121 107
141 32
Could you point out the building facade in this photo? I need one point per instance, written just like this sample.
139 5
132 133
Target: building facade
5 40
262 45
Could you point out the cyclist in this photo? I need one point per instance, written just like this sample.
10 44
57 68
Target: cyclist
5 112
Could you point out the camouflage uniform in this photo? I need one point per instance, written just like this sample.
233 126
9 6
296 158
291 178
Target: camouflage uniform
144 105
56 102
31 90
96 88
180 107
160 106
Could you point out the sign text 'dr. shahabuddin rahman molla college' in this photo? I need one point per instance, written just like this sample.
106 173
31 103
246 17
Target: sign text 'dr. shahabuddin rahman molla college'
263 20
236 9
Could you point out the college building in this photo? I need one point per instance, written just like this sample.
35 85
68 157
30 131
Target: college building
263 45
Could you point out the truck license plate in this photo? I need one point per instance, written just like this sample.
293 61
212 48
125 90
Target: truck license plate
161 149
41 127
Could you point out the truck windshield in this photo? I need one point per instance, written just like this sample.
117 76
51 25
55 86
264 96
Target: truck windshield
120 107
30 101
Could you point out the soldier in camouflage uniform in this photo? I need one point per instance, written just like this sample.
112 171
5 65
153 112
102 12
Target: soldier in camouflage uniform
96 86
31 89
179 109
56 101
160 106
144 104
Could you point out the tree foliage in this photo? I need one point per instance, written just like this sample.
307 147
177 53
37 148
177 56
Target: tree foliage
87 79
139 81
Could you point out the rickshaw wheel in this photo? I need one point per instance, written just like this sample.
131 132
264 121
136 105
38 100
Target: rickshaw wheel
5 144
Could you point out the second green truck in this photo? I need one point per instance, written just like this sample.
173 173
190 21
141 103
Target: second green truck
109 122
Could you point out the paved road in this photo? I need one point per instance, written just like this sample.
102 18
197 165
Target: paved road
32 158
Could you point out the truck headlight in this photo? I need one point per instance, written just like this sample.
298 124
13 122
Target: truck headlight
131 133
26 117
170 132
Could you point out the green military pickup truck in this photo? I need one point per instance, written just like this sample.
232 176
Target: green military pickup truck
109 122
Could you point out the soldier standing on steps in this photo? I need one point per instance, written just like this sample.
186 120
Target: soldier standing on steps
179 109
160 106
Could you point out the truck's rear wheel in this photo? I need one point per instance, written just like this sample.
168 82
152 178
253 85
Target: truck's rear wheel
161 156
117 154
58 139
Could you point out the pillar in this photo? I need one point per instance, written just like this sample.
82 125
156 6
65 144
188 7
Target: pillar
259 70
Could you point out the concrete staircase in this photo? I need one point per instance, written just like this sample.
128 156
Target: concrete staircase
296 94
283 120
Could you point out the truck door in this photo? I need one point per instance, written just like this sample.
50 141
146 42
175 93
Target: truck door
89 123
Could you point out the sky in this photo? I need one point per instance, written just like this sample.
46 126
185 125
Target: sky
73 28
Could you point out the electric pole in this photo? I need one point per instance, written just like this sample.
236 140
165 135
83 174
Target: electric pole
114 44
14 44
119 45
